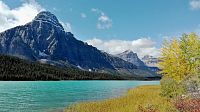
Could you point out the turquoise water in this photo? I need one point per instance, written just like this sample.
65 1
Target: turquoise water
50 96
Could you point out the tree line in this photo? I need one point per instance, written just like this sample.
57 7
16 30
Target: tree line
13 68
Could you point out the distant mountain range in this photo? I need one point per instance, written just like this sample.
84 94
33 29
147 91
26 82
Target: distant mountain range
131 57
45 40
150 61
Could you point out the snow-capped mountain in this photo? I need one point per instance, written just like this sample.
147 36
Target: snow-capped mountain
150 61
131 57
45 40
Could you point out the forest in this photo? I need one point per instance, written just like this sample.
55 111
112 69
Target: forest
13 68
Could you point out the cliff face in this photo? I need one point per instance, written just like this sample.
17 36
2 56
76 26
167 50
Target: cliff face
150 61
131 57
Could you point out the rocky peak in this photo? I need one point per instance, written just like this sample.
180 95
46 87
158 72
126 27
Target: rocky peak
150 61
128 51
147 57
48 17
132 57
129 54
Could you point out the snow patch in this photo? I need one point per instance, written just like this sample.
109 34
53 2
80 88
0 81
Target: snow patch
44 61
52 23
89 70
79 67
42 54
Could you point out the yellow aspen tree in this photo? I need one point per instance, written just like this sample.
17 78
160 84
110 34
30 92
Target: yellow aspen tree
190 45
172 61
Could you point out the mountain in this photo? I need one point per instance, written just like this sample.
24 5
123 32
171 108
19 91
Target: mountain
45 40
13 68
143 69
150 61
131 57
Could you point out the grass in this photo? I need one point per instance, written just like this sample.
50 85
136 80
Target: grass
140 99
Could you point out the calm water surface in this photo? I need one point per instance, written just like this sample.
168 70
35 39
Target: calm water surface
41 96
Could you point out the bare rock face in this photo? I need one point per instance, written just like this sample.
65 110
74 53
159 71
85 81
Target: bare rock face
143 65
45 39
131 57
150 61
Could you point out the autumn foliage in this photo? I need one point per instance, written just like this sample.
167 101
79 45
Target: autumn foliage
180 58
180 67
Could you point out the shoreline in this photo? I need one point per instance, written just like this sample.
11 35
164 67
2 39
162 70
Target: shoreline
145 79
142 97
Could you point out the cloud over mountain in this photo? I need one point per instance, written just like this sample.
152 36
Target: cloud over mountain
18 16
142 46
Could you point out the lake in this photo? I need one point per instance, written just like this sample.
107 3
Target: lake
48 96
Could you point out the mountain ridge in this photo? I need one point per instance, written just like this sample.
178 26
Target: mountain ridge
41 37
45 40
132 57
150 61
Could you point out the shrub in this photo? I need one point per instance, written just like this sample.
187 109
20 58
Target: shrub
193 85
171 89
188 105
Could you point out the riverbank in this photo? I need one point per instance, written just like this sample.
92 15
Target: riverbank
139 99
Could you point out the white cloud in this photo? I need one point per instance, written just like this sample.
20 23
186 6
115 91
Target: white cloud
142 46
21 15
83 15
94 10
18 16
103 18
104 22
195 4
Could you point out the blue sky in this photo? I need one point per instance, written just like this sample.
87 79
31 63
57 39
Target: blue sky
125 20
